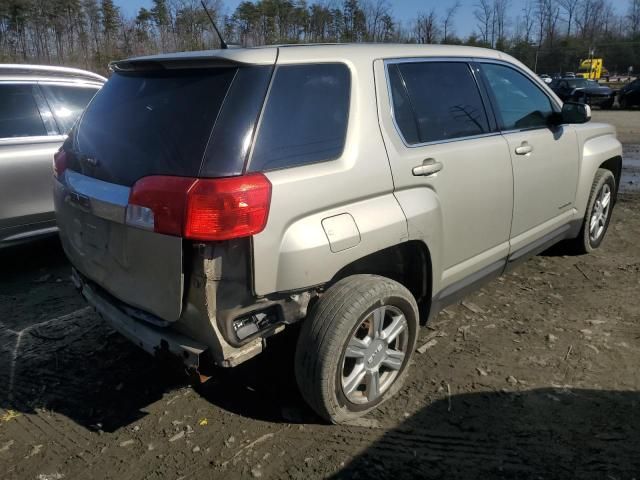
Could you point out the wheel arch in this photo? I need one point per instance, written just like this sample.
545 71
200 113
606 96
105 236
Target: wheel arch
408 263
614 164
601 149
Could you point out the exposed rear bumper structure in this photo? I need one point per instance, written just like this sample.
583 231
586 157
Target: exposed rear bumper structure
154 340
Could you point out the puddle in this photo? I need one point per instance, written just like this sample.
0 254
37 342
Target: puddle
630 181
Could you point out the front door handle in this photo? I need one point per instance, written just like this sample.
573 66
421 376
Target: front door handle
524 148
429 167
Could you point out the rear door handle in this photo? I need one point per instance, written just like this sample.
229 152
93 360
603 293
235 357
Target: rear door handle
429 167
524 148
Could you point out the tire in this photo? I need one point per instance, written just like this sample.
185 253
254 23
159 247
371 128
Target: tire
587 241
607 105
623 103
347 316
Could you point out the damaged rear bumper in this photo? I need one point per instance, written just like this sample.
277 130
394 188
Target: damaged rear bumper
152 339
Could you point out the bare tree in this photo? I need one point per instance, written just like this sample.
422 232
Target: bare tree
447 21
376 13
552 24
607 19
426 27
634 16
90 33
500 8
484 17
528 20
589 17
570 7
544 11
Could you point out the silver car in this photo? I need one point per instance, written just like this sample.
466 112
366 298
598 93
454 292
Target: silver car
207 200
38 106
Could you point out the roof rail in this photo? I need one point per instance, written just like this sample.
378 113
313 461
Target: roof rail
25 69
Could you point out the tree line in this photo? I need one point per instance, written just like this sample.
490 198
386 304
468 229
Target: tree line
547 35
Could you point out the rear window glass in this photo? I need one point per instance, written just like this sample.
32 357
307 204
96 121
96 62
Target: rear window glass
67 103
19 114
152 123
305 119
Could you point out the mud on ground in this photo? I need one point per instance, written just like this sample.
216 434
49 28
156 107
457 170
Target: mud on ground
534 376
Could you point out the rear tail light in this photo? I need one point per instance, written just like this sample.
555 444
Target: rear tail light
227 208
159 203
201 209
60 162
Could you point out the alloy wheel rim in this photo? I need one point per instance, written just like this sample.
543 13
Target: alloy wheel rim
600 213
375 355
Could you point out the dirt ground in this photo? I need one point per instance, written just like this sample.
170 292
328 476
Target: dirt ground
534 376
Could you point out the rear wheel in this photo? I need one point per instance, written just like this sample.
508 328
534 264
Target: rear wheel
598 213
354 348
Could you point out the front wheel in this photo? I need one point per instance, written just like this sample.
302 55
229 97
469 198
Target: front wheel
608 105
598 213
354 348
624 104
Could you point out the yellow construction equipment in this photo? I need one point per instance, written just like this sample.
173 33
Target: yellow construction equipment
592 68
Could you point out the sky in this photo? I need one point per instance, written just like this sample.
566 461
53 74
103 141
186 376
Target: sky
405 10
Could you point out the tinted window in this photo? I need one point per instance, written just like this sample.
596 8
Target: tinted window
151 123
229 143
521 104
581 83
305 119
67 103
19 114
402 109
444 98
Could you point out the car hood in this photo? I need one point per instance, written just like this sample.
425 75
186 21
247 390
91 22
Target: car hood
598 91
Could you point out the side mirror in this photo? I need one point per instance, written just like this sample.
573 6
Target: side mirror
574 112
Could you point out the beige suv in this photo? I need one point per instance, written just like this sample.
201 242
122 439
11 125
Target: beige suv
208 200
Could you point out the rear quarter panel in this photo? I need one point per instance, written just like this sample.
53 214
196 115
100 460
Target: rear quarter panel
293 252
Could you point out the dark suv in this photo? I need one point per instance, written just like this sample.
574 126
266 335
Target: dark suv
583 90
629 95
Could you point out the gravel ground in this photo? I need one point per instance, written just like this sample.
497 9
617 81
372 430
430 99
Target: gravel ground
534 376
627 123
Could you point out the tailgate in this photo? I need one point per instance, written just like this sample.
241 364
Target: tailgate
139 267
150 120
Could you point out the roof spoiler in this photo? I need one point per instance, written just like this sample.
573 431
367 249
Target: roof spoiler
142 65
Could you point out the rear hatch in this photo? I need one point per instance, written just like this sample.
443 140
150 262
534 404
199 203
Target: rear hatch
123 174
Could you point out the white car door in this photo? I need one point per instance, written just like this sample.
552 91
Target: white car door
545 158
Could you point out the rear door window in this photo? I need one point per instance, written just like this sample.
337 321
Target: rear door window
305 118
444 99
152 122
67 102
403 112
19 114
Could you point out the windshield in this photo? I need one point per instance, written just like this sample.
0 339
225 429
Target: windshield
582 83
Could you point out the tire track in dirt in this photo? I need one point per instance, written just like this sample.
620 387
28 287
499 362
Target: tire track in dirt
41 428
497 428
19 342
